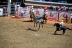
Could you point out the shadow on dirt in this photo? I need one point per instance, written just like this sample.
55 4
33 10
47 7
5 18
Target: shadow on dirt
57 34
28 21
31 29
2 16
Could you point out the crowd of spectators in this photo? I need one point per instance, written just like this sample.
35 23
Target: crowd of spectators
64 8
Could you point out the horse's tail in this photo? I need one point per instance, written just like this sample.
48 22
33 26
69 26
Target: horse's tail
68 28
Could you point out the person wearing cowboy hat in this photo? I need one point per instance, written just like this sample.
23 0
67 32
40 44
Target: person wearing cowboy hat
66 17
71 18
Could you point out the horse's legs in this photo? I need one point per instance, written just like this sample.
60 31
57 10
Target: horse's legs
55 32
63 31
34 23
45 21
42 25
39 26
31 19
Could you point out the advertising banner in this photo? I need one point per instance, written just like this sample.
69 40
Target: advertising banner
1 11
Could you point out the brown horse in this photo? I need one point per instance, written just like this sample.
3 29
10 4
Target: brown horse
45 17
32 15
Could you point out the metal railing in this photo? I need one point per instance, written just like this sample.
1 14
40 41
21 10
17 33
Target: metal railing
1 6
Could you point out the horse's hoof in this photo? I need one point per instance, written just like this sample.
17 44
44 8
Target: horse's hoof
54 33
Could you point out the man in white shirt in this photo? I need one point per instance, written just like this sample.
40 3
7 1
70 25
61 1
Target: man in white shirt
61 23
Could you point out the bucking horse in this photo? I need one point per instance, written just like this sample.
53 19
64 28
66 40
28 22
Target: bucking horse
40 20
58 28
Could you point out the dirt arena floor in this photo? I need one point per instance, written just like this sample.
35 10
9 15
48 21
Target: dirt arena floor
17 33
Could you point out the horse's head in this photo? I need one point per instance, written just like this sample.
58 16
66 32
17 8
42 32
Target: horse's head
57 24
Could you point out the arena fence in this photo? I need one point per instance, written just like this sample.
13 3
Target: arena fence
1 10
17 10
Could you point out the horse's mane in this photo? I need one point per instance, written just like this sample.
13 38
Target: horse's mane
56 23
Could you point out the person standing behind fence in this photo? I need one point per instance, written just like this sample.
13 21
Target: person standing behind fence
22 13
66 17
71 18
37 13
4 11
64 8
45 8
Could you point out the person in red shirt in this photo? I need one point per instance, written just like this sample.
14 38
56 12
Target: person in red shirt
37 13
51 15
66 17
59 10
45 8
4 11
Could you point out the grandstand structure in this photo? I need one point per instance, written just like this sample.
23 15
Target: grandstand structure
48 4
36 3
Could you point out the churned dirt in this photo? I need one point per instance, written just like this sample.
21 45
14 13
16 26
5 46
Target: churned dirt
19 33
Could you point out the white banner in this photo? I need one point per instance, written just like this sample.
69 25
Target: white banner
1 11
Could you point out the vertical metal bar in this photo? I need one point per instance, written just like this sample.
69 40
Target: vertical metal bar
8 9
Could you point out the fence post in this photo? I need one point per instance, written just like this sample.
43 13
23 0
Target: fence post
8 9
